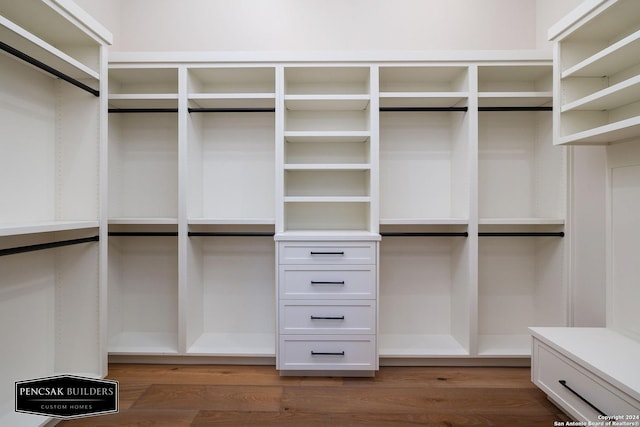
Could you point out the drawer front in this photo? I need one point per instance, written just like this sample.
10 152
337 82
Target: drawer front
558 376
327 317
344 282
355 352
333 253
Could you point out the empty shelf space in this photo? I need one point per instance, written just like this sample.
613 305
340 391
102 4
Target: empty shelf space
415 345
234 344
612 97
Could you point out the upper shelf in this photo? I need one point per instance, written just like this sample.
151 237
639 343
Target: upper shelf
55 32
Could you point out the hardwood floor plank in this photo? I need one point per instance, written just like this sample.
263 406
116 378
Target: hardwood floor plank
136 418
297 419
412 400
199 397
482 377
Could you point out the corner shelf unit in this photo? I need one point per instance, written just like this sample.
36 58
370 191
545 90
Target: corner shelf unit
52 169
442 167
598 75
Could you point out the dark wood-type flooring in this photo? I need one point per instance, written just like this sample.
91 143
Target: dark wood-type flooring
213 395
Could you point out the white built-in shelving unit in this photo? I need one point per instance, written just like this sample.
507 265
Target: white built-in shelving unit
596 69
440 173
52 172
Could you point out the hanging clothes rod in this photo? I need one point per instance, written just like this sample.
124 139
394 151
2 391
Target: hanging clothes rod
41 246
521 234
425 234
515 108
31 60
143 110
410 109
144 233
233 110
231 233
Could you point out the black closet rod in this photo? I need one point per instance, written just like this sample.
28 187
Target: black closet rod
31 60
521 234
144 233
425 234
515 108
410 109
231 233
233 110
41 246
143 110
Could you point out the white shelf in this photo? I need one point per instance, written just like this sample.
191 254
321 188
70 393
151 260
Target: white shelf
45 227
158 100
143 221
327 235
504 345
610 98
617 57
424 221
326 136
613 132
521 221
328 167
417 346
150 343
515 99
26 42
231 221
326 102
234 344
423 99
233 100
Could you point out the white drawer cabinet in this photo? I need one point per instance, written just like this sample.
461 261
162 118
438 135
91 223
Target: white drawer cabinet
327 317
331 253
328 352
330 281
327 307
591 373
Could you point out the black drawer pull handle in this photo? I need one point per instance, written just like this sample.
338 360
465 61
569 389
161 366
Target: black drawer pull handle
327 317
319 353
314 282
327 253
564 384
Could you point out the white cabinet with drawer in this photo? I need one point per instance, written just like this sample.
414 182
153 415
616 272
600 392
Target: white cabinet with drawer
327 307
591 373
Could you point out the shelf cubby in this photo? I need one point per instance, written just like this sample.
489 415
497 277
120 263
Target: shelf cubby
520 172
143 289
230 309
50 155
143 167
231 166
424 292
519 272
424 166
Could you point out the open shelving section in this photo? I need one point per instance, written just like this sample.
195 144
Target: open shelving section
597 102
52 171
430 187
597 77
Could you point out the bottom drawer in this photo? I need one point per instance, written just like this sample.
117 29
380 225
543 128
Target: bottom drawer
581 393
327 352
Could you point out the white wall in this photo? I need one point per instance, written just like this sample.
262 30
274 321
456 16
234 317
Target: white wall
294 25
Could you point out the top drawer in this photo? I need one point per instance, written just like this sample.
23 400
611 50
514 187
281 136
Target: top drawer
327 253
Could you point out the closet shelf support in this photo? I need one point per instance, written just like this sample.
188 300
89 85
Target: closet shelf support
31 60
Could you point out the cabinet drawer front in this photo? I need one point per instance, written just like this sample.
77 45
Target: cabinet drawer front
327 283
327 317
355 352
563 380
327 253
